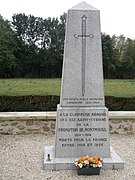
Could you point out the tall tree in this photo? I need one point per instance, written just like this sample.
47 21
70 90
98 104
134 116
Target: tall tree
108 59
120 49
52 56
32 36
8 47
129 60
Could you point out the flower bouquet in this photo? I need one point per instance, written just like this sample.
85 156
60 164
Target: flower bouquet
88 165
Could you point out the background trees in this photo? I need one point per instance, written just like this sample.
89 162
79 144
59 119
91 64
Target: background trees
8 48
33 47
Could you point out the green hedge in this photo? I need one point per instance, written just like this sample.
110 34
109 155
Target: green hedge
49 103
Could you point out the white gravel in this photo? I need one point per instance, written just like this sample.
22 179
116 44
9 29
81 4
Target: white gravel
21 158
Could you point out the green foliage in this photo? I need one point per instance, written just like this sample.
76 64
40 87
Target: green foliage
123 56
32 47
107 53
8 47
49 103
41 43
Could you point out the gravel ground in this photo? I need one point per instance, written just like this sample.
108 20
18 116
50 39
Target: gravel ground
21 158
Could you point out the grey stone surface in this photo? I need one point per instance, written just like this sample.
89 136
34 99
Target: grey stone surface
83 6
82 79
113 162
82 131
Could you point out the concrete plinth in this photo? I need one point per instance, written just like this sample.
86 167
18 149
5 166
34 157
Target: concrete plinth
113 163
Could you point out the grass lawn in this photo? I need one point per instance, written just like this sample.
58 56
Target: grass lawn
25 87
42 87
119 88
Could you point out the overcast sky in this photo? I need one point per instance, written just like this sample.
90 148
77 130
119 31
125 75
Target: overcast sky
117 16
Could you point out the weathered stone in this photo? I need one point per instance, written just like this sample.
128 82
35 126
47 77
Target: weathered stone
124 126
21 127
4 124
121 126
39 123
116 121
11 130
110 127
14 123
46 128
115 132
128 128
33 130
53 125
129 132
1 121
29 123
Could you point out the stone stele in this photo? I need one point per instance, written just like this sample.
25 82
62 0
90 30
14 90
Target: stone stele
82 118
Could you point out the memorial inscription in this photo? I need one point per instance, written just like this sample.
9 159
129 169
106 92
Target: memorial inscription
83 101
82 129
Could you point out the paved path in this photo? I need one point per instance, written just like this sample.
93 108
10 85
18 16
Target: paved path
21 158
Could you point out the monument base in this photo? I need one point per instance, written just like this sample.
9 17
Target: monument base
113 163
82 131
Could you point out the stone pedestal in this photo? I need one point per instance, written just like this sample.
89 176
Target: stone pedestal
82 131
